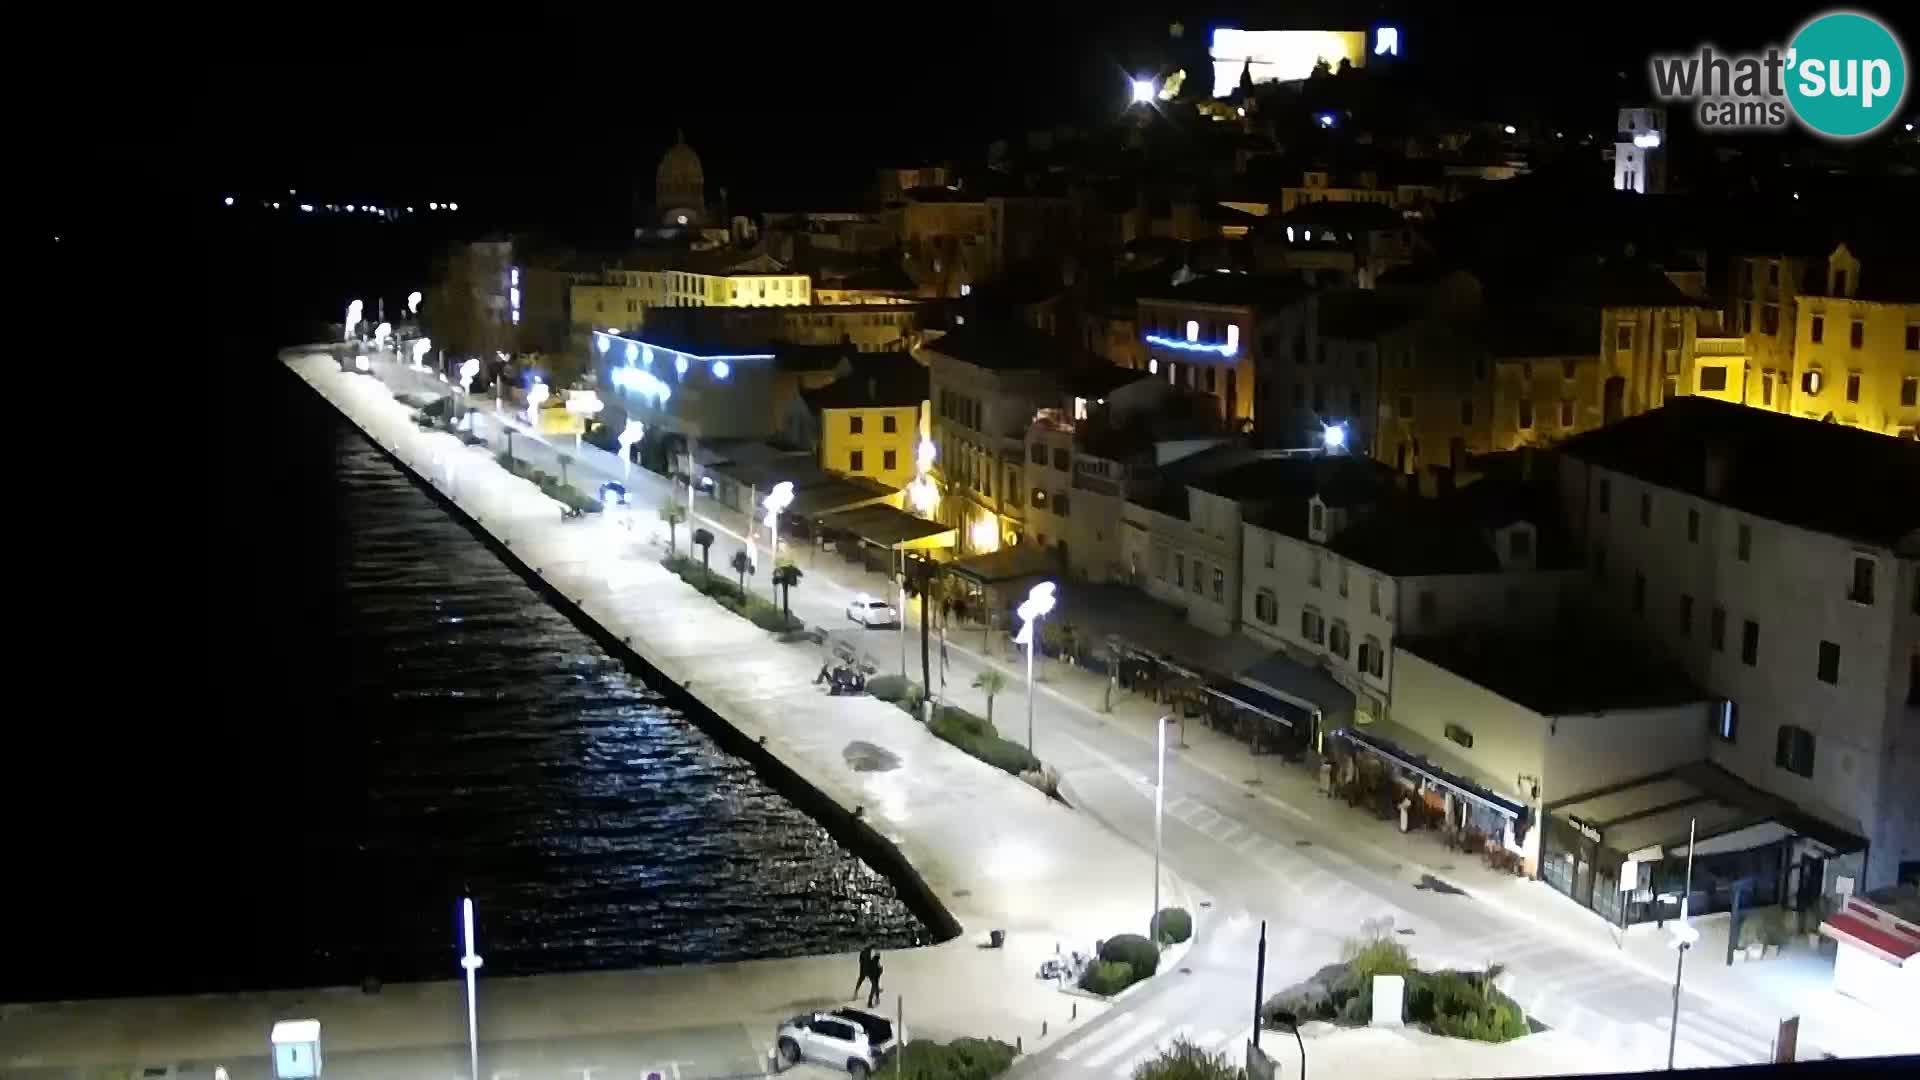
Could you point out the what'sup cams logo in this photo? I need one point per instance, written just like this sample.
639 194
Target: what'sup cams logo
1843 76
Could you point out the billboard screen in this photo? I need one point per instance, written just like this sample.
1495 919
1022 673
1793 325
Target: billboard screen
1280 55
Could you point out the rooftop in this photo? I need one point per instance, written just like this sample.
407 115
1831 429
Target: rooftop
1236 290
899 382
1557 673
1345 216
1342 480
1818 476
1363 314
1001 346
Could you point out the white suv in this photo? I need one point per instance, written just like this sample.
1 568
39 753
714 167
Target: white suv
852 1037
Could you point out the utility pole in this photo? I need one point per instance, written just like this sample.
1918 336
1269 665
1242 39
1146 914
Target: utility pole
1259 982
1684 935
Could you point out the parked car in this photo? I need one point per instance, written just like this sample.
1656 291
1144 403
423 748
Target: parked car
855 1038
868 611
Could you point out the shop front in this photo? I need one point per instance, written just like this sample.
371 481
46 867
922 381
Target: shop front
1398 774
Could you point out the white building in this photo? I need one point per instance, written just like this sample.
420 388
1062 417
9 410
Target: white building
1640 151
1775 558
1334 579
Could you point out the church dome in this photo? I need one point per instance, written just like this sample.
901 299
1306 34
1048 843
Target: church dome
680 183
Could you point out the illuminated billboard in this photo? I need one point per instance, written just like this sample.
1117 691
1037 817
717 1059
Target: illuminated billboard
1281 55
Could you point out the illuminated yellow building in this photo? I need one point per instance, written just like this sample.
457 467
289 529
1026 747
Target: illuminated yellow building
872 419
1857 345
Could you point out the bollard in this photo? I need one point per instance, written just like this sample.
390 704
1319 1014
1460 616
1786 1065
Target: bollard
1019 1044
1076 1011
1043 1029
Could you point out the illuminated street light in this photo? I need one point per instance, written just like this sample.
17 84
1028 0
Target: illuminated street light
382 332
453 206
471 963
777 500
721 369
680 364
1143 91
923 493
585 406
413 302
1334 437
1509 129
353 318
632 433
360 363
433 206
536 394
468 370
229 199
1035 607
420 350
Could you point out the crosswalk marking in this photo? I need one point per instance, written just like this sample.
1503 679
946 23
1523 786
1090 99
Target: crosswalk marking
1125 1068
1148 1025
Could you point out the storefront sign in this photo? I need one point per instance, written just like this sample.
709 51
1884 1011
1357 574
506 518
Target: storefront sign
1584 829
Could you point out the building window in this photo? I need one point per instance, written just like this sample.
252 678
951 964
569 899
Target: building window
1316 518
856 424
1829 670
1038 452
1373 659
1312 627
1269 553
1013 487
856 461
1219 586
1313 570
1714 377
1770 320
1793 750
1726 721
1343 579
1623 337
1686 616
1339 641
1466 412
1750 643
1179 571
1199 578
1766 388
1461 735
1606 495
1060 506
1265 607
1743 543
889 459
1060 459
1810 382
1406 406
1817 329
1639 593
889 424
1913 337
1566 412
1373 595
1853 387
1646 509
1856 334
1861 591
1526 414
1693 526
1909 391
1429 606
1039 497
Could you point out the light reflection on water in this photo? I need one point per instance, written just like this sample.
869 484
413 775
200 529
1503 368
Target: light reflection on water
489 745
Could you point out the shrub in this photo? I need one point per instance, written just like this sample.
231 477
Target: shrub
1358 1009
1464 1005
1173 925
976 737
961 1059
1144 955
888 687
1108 977
1367 957
1185 1061
767 617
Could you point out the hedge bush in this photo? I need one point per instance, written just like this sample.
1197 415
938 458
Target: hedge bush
1108 978
888 688
548 485
1185 1061
976 736
961 1059
1144 955
1173 925
728 595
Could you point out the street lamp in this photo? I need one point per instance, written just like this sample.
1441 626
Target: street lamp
777 500
1334 438
468 371
1143 91
382 332
632 433
413 302
922 493
471 962
353 318
1039 601
1292 1023
1159 788
420 350
535 395
1684 934
584 406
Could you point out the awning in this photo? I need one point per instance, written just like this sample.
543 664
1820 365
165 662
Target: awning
1722 812
1307 688
1247 697
1387 745
1015 563
890 528
1895 949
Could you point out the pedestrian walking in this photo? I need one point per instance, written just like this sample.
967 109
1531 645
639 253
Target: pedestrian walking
873 994
868 960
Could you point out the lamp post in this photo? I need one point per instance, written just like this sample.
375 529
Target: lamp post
632 433
776 501
1291 1021
413 303
585 406
1684 935
1159 788
421 347
536 394
353 318
1039 601
468 371
471 962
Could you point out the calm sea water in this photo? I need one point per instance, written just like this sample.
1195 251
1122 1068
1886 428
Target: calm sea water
352 715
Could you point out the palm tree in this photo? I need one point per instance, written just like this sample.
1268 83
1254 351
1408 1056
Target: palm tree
785 577
741 564
703 539
673 514
990 682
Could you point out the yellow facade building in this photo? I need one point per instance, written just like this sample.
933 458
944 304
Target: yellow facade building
872 419
1857 346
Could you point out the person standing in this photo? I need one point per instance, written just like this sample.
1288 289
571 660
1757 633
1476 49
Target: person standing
873 993
867 961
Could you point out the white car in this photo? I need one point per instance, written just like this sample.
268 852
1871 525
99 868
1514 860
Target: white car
853 1038
867 611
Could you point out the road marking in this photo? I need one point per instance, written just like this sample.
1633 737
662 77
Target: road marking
1145 1029
1233 829
1125 1069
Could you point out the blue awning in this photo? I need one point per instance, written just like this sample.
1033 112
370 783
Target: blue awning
1246 697
1306 688
1413 761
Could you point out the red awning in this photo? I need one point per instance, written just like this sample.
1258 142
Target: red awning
1894 948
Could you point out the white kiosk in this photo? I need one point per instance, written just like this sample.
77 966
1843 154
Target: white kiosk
296 1050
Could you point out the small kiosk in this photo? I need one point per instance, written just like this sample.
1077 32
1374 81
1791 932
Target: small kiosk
296 1050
